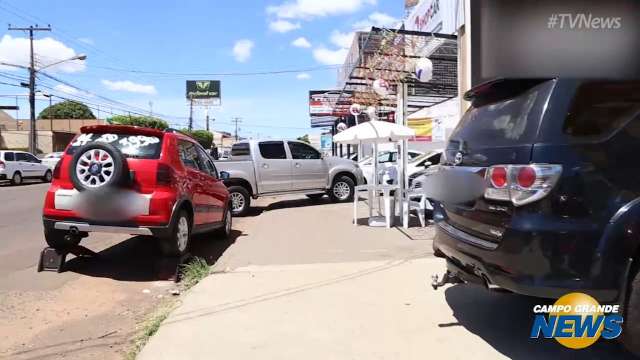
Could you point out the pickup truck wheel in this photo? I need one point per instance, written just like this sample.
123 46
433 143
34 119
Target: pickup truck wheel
342 189
630 336
240 200
177 243
59 240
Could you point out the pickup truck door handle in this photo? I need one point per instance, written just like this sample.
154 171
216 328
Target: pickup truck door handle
265 166
298 165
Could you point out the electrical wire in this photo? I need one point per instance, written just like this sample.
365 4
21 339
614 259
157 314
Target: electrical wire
251 73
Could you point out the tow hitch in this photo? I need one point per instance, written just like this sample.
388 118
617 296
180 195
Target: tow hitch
447 278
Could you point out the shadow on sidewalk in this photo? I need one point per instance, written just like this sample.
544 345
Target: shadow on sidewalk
504 321
137 258
289 204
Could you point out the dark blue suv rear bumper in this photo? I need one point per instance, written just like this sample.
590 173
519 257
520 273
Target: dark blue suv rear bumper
534 262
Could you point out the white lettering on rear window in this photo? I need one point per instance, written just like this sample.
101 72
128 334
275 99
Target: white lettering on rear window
138 141
83 139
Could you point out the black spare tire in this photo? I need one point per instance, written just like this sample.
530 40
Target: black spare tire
97 166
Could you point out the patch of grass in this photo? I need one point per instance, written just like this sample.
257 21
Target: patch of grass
149 328
191 273
194 271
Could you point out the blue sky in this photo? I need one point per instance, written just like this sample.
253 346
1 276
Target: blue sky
192 36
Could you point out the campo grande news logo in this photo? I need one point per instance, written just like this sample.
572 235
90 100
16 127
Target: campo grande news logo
577 321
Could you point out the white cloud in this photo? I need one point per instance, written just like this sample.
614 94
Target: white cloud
376 19
307 9
303 76
66 89
341 39
242 50
129 86
15 50
330 57
301 42
283 26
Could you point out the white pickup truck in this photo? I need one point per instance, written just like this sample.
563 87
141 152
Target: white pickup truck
278 167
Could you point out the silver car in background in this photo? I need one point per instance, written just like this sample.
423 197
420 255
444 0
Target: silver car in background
280 167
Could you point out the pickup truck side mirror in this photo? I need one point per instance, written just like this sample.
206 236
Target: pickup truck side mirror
224 175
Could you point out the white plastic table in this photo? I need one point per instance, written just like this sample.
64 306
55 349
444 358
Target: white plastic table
387 198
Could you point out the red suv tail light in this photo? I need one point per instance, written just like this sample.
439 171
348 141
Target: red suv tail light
521 184
164 174
2 165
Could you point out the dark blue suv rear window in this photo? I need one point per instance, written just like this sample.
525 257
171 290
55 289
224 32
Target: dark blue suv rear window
508 121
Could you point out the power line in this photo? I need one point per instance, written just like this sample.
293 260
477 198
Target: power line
253 73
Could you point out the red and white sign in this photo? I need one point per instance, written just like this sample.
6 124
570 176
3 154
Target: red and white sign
329 103
437 16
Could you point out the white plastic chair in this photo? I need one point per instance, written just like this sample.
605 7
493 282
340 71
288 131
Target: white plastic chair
418 200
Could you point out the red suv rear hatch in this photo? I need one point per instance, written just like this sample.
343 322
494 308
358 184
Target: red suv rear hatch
142 148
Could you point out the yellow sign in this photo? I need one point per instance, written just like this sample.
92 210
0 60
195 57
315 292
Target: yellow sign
423 128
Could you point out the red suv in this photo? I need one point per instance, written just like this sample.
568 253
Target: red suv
138 181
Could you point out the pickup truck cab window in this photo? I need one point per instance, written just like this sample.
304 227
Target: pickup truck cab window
303 151
240 149
272 150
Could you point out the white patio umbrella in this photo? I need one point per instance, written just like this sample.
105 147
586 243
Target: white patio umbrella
375 132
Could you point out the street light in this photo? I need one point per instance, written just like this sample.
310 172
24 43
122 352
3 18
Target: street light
80 57
33 138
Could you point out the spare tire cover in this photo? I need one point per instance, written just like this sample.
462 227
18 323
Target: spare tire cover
96 166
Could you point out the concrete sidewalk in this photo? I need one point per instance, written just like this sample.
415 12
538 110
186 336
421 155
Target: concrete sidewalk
359 310
364 310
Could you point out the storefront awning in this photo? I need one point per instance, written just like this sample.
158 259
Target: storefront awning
390 54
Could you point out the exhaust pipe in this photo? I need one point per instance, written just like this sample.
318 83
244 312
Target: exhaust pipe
74 231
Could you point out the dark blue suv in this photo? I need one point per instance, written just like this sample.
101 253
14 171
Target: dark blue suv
561 209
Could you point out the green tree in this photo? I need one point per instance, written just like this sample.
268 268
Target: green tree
304 138
67 110
142 121
203 137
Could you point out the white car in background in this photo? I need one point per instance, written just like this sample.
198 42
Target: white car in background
390 155
16 166
52 159
387 165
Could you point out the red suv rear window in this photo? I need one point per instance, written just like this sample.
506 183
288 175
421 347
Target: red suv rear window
132 146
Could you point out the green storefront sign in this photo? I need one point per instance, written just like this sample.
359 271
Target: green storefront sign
203 89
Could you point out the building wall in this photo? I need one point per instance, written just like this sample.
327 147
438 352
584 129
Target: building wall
67 125
19 139
14 134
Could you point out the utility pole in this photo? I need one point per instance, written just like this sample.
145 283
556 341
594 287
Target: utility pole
190 115
206 111
236 120
33 136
